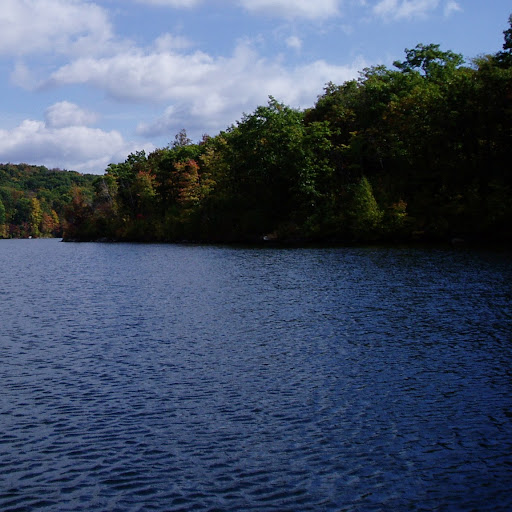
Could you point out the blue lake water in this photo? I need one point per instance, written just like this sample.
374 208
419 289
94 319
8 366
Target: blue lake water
177 378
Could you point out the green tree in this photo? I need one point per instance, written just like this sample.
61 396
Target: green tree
364 215
430 61
3 231
273 168
504 58
36 216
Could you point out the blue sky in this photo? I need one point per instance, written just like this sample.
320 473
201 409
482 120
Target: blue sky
85 83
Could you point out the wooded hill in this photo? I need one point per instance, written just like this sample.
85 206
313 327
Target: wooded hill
33 199
418 152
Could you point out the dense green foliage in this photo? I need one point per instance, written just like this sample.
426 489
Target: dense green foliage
419 151
33 199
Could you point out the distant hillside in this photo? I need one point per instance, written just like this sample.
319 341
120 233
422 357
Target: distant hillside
33 199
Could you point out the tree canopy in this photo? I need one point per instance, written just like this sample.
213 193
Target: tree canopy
420 151
33 199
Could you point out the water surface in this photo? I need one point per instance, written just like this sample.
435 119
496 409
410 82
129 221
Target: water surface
168 377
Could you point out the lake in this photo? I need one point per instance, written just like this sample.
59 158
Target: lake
178 377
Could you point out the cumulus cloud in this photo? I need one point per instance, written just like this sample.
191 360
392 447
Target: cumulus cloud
188 76
193 88
138 76
202 90
59 26
404 9
77 147
239 84
64 113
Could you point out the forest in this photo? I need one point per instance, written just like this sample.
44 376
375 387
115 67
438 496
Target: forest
421 152
33 199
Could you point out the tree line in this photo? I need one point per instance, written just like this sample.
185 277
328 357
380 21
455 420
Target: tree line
419 151
33 199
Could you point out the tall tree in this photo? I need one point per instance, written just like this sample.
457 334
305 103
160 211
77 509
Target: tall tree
36 216
504 58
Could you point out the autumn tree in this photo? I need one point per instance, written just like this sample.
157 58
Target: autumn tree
36 215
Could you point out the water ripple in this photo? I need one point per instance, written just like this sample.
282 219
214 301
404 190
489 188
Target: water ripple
175 378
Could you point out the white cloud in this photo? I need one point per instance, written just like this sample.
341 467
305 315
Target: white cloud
293 8
201 92
451 7
204 92
64 113
169 42
164 76
59 26
239 84
404 9
79 148
138 76
294 42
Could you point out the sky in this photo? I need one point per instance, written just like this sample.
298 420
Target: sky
86 83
